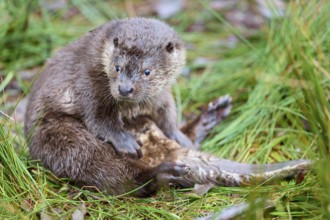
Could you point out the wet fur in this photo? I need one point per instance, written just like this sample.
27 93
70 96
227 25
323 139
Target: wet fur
80 81
78 123
73 119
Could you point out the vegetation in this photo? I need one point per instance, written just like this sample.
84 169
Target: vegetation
278 77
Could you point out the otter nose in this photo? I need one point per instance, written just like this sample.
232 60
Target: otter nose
125 90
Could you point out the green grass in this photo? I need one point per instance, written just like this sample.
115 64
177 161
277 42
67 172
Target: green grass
279 81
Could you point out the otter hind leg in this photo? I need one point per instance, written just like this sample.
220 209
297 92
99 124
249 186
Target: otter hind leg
198 128
65 146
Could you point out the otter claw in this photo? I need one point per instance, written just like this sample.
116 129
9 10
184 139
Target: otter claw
125 144
169 173
220 103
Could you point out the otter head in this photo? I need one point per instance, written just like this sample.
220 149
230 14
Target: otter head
140 63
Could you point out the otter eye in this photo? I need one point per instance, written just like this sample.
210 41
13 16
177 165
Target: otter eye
147 72
118 68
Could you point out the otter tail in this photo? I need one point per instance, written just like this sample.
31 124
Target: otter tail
207 169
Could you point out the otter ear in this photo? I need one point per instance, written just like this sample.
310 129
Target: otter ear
95 30
169 47
115 41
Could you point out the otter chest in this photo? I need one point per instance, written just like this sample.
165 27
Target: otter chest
129 113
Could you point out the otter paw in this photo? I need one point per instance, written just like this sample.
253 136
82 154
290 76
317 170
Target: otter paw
217 110
126 143
170 173
181 139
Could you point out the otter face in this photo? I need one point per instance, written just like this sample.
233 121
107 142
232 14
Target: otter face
138 72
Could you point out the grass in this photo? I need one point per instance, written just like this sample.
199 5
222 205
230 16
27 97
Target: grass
279 80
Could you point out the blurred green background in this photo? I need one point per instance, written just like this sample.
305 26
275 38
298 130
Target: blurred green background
271 56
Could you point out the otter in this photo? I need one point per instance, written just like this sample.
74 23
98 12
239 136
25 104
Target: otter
101 113
206 169
110 76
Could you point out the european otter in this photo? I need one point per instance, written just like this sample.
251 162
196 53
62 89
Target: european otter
110 76
206 168
96 99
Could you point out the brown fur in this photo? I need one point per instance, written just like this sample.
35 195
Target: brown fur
81 81
81 126
78 118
